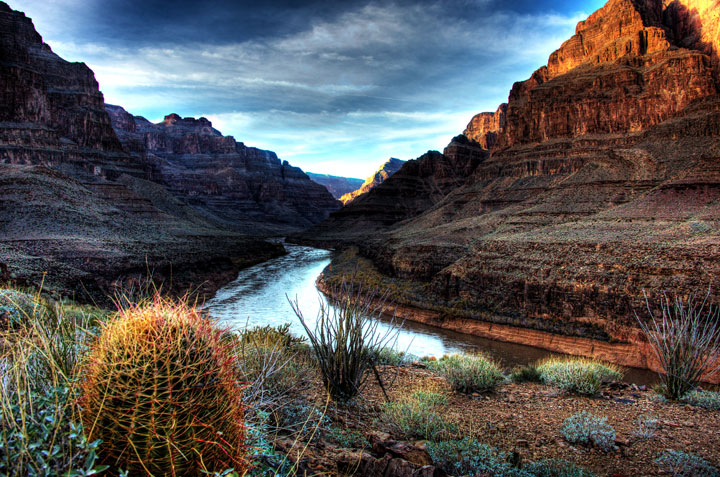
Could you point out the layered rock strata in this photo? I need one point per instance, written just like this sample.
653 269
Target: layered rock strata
239 187
93 211
603 184
416 187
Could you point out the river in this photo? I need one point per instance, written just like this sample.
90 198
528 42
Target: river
259 297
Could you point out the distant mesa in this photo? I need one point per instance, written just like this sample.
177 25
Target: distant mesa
390 167
337 186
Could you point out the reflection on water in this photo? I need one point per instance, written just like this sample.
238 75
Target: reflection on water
258 298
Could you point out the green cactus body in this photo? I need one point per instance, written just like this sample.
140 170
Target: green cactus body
160 390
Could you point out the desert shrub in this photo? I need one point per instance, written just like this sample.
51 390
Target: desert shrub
587 429
658 398
40 428
577 375
41 435
470 373
706 399
18 308
301 418
417 417
272 336
681 464
468 456
645 427
265 461
273 364
525 374
391 357
346 338
347 438
556 468
160 389
686 341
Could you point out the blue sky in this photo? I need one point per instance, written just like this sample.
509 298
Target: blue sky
333 87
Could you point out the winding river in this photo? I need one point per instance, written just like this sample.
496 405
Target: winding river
259 297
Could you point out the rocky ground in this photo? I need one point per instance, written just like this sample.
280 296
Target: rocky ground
521 419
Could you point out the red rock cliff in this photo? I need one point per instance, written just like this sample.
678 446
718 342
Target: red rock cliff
485 128
604 183
619 73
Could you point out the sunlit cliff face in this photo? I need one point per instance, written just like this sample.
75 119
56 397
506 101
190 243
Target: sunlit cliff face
698 21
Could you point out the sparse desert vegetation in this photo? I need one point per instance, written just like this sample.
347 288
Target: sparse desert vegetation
82 386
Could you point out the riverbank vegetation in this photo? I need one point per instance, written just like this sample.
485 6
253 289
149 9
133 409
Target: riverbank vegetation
457 414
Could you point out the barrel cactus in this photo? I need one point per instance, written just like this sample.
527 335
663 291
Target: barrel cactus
160 390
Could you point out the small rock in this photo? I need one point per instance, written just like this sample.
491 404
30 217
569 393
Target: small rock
622 441
624 401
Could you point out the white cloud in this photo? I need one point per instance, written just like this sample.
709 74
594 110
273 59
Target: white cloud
344 94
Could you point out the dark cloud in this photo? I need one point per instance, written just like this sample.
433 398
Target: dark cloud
333 87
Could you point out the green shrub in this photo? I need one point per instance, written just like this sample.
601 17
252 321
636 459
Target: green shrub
556 468
525 374
346 438
645 427
417 417
587 429
18 308
681 464
577 375
161 380
272 337
265 460
301 418
658 394
706 399
346 338
470 373
471 457
390 357
273 364
40 434
685 337
40 427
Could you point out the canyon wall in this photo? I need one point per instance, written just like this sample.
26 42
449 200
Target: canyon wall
94 209
238 187
600 183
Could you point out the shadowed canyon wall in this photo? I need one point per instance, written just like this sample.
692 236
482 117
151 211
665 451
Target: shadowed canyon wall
94 209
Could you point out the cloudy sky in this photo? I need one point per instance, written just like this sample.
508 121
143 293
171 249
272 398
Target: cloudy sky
333 87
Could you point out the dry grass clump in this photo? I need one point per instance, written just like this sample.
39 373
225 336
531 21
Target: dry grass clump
418 416
578 375
470 373
160 389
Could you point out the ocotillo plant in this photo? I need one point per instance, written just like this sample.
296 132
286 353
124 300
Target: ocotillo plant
686 341
160 390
